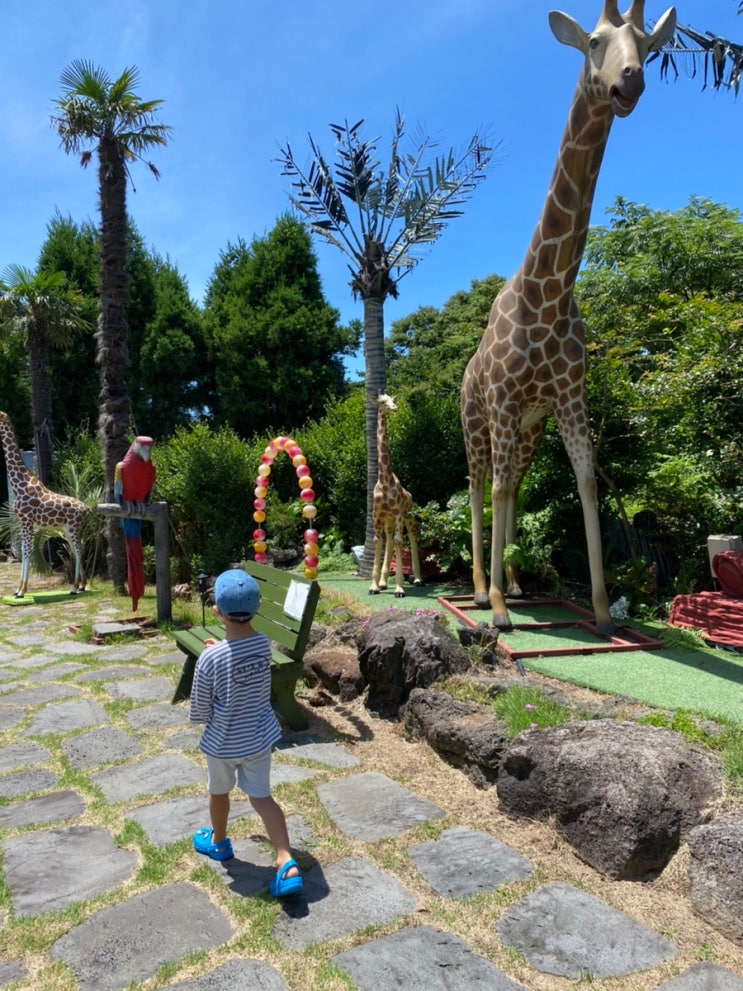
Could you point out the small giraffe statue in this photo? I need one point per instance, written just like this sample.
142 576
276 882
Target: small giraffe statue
392 513
531 359
35 505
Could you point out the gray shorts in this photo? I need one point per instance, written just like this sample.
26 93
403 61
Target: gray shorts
252 774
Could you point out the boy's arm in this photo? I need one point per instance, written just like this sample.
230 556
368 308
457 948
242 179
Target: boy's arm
201 703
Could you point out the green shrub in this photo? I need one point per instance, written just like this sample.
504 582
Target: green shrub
208 479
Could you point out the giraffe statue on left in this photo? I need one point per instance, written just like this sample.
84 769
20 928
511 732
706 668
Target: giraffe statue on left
392 513
34 505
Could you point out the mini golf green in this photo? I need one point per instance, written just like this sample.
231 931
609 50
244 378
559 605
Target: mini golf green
703 680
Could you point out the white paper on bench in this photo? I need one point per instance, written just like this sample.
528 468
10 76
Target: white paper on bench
296 599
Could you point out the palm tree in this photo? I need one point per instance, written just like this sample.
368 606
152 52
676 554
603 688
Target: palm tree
722 60
392 214
106 114
42 306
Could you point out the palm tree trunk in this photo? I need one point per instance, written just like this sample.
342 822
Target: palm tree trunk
112 338
41 400
375 382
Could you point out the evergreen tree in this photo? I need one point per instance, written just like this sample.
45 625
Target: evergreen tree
275 343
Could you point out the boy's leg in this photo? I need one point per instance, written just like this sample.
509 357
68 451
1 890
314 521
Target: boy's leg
273 819
219 811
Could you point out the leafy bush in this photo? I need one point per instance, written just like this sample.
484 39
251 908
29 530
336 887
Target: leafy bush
208 480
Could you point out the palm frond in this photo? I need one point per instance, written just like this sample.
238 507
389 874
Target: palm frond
721 59
400 207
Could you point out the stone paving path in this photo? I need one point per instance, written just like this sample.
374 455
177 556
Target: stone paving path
90 747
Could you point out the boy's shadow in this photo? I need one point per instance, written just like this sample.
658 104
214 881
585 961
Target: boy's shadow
249 872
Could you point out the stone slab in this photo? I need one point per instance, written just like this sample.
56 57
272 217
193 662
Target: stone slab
128 943
171 657
86 863
112 629
26 782
463 862
148 777
40 694
174 819
59 806
141 689
10 716
421 959
329 754
66 717
160 716
340 899
289 774
112 671
27 640
128 652
704 977
237 975
21 754
100 746
250 870
74 649
186 739
370 806
566 932
11 971
37 661
58 671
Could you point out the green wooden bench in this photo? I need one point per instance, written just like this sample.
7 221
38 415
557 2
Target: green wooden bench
285 615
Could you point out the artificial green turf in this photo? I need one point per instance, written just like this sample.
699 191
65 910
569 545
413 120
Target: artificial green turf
705 680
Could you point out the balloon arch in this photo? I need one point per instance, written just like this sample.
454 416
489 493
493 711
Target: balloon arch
306 494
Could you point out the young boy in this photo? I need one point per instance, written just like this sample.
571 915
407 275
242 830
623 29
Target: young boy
231 694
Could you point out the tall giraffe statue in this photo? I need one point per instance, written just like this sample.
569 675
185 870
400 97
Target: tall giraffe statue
531 359
392 513
34 505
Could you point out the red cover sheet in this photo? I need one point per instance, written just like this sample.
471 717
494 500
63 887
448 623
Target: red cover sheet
719 617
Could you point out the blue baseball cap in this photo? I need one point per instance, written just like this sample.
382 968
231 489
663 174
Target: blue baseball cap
237 595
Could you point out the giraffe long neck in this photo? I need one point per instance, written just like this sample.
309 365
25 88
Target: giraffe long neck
384 467
13 461
559 238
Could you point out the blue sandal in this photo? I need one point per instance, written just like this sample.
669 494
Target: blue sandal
202 843
282 886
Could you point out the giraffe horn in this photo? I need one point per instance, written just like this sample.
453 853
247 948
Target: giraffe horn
637 13
610 10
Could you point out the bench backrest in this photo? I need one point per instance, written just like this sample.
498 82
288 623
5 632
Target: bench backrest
281 590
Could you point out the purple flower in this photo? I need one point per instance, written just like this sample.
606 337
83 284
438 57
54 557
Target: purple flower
530 706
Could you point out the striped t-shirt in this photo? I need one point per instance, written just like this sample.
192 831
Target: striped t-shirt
231 693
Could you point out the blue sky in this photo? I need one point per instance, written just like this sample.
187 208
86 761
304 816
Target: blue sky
239 78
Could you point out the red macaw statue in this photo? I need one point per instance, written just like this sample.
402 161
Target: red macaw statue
133 483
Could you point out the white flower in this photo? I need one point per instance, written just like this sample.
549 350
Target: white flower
620 608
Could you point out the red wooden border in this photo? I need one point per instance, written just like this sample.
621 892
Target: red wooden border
623 639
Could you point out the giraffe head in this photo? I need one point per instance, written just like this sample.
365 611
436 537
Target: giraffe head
386 402
615 51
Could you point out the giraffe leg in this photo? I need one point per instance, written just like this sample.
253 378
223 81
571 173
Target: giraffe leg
580 450
414 554
502 495
387 560
78 584
399 576
479 579
523 457
377 566
26 545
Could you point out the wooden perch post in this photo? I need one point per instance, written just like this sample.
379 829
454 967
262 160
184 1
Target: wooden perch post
158 513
